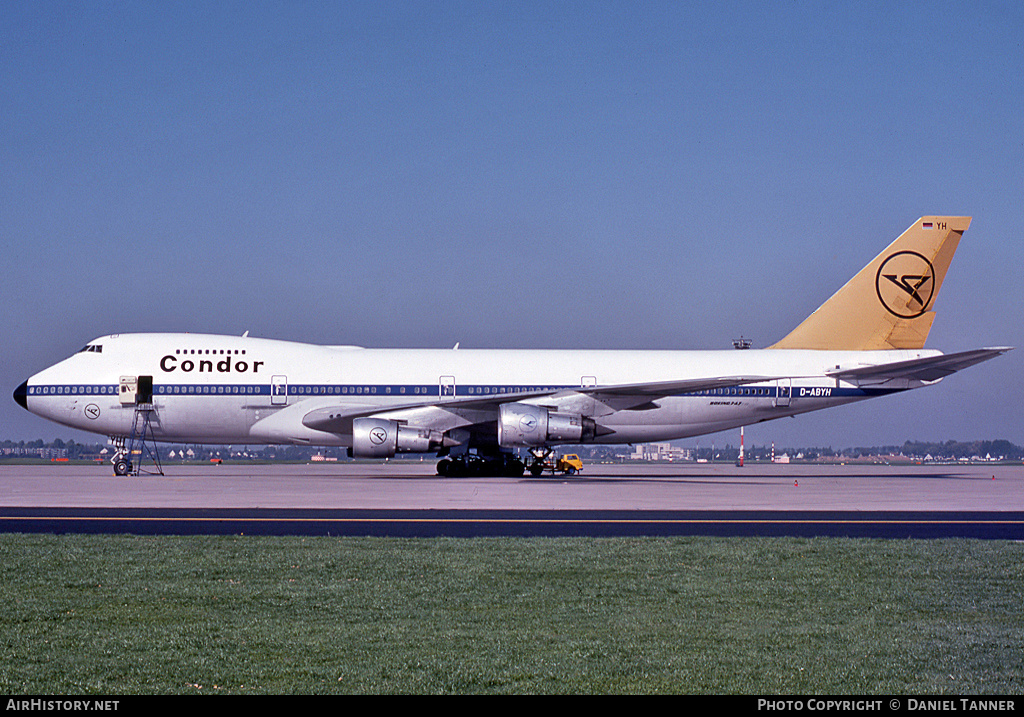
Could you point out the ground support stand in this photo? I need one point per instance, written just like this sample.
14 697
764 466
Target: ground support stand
142 442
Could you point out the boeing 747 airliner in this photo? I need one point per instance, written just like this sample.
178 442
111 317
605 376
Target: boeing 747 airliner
475 407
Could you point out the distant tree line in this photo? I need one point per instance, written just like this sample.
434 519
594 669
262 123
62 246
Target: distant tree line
959 449
951 449
72 450
910 449
56 448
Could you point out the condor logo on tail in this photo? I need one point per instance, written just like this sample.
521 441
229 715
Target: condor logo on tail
905 284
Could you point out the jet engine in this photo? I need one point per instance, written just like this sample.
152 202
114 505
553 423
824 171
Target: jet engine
524 425
381 438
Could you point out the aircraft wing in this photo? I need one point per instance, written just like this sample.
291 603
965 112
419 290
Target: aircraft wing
620 397
632 396
931 368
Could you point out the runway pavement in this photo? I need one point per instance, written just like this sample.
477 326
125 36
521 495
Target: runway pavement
407 499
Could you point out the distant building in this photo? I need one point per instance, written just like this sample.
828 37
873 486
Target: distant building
660 452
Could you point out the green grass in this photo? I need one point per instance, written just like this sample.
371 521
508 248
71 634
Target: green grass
125 615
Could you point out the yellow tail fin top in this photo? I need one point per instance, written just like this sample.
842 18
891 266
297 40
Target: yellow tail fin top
888 304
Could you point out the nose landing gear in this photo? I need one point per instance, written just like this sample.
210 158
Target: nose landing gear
141 443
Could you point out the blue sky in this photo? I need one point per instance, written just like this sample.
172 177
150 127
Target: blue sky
564 174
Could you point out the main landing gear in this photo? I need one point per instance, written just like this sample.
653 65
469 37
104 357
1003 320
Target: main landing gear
568 464
540 460
472 464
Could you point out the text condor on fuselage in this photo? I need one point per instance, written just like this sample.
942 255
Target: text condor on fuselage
169 364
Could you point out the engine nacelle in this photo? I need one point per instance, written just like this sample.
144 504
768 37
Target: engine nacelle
523 425
381 438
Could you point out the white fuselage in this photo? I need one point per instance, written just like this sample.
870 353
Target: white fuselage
229 389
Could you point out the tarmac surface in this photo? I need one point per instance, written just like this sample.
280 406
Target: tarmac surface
408 499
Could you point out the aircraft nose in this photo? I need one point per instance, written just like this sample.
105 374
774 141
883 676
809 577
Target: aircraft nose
20 394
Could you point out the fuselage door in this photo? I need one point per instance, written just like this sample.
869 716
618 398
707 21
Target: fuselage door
144 390
278 390
783 390
446 384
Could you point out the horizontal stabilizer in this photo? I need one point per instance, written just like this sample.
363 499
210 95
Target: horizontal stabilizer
931 368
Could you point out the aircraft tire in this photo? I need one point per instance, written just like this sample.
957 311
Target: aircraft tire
456 469
515 468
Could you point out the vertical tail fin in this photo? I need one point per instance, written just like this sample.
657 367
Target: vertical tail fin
887 305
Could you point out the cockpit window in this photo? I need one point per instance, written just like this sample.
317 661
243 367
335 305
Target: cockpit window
92 348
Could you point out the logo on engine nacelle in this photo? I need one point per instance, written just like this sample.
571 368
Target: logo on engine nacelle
528 424
378 435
